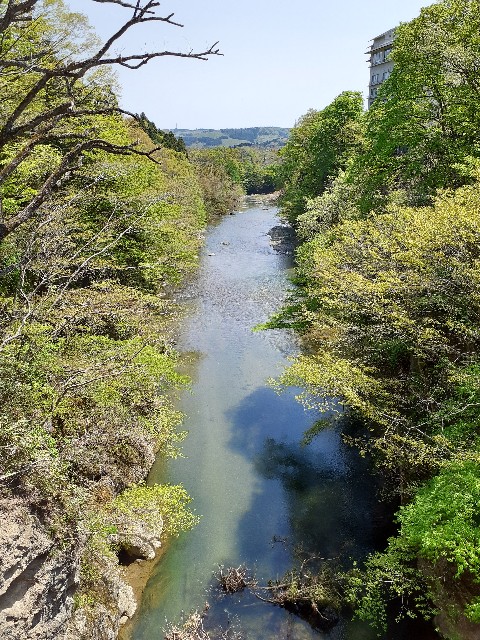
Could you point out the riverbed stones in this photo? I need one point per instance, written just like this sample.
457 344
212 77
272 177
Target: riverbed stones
282 239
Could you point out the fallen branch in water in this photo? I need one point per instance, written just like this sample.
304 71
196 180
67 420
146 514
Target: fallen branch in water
233 580
313 595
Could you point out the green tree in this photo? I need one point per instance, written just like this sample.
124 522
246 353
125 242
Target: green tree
389 307
97 222
220 174
54 91
159 137
318 148
426 120
439 530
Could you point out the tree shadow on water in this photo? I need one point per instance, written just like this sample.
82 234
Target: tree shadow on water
318 497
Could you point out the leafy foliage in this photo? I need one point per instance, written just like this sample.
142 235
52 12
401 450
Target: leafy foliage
162 507
387 301
98 224
426 120
391 576
388 305
441 526
442 522
318 148
226 174
219 177
163 138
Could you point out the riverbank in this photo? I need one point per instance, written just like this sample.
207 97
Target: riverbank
137 575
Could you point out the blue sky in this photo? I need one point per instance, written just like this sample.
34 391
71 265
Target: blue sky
280 58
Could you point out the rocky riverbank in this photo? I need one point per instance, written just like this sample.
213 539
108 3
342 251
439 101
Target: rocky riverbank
40 576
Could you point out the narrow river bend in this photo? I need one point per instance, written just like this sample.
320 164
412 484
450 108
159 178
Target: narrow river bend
259 492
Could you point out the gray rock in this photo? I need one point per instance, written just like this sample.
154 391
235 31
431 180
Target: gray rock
37 580
103 621
137 540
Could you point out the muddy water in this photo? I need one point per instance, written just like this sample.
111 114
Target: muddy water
259 492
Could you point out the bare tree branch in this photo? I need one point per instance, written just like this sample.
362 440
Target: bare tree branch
128 5
65 166
16 12
73 100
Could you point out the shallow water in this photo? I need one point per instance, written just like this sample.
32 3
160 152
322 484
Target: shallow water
260 493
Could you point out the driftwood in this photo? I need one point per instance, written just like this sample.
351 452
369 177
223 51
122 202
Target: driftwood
233 580
313 595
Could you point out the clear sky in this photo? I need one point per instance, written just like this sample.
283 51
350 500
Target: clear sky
280 58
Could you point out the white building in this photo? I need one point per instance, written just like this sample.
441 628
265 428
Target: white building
380 64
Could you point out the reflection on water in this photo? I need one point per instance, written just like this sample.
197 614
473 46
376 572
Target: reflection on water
251 480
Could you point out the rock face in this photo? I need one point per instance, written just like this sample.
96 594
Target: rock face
136 541
103 622
37 580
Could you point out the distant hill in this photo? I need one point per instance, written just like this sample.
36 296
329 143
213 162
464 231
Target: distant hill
248 137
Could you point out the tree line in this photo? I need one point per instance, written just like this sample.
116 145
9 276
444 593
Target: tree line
387 206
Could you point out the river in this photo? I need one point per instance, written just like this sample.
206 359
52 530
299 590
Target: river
259 492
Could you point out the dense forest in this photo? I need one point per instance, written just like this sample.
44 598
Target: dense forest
387 206
101 215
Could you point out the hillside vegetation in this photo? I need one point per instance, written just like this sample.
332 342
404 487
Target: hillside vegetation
387 204
263 137
98 222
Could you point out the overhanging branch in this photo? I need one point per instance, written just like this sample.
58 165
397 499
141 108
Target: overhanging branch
65 166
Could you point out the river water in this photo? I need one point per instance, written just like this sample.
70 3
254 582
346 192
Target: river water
259 492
